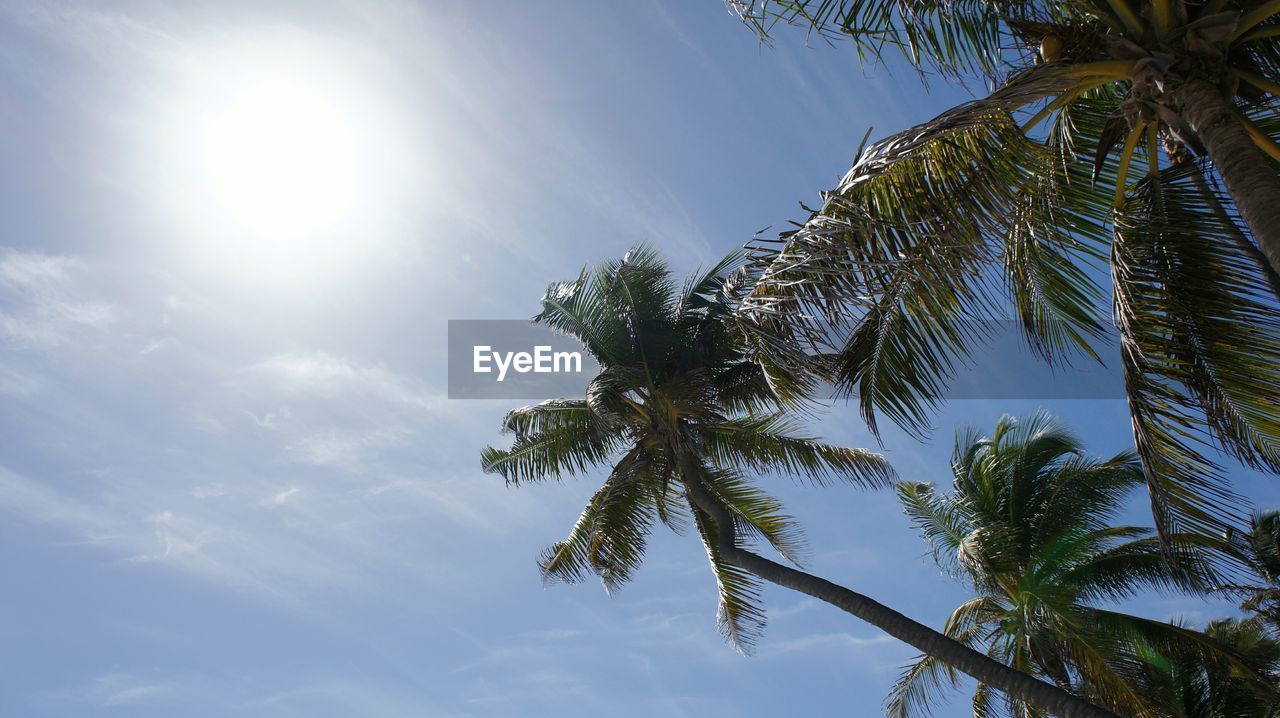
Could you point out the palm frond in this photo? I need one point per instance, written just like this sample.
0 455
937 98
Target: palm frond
1201 354
609 537
740 616
771 444
1047 270
757 513
918 687
1085 492
703 292
551 415
896 269
579 309
549 454
1123 570
953 37
944 524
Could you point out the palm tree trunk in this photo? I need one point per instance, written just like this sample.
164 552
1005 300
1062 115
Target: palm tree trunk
1250 178
985 669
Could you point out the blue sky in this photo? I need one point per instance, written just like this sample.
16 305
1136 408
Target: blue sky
231 483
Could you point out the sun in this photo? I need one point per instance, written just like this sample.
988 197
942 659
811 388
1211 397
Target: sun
280 158
280 161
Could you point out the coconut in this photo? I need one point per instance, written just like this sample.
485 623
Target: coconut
1051 47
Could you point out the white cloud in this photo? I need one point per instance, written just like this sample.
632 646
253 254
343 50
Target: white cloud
132 694
281 498
33 269
259 558
42 302
271 420
208 492
819 641
41 503
795 609
339 696
324 375
18 384
172 538
349 450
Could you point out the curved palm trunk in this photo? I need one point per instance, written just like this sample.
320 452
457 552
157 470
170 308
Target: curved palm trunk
985 669
1249 176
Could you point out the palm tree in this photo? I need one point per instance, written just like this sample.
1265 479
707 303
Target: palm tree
1081 162
1259 549
1184 685
1030 527
1182 67
681 415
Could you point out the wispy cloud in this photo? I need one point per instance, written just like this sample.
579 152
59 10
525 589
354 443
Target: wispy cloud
348 450
283 497
132 694
795 609
341 696
42 303
322 374
820 641
109 690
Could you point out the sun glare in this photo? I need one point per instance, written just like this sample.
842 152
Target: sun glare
280 158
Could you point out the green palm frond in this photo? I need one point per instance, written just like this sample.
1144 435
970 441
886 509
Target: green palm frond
944 524
1216 649
951 36
549 454
757 513
704 293
1259 549
983 702
580 309
1086 492
1264 542
970 618
609 537
1188 686
610 394
744 388
904 251
1099 657
1201 354
900 356
1122 570
641 293
669 502
553 415
772 444
1047 272
920 684
740 616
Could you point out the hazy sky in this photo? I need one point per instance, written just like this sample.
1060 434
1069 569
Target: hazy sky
231 483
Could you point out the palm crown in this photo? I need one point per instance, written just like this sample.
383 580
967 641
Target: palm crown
1259 549
1030 526
677 400
1079 163
1183 684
